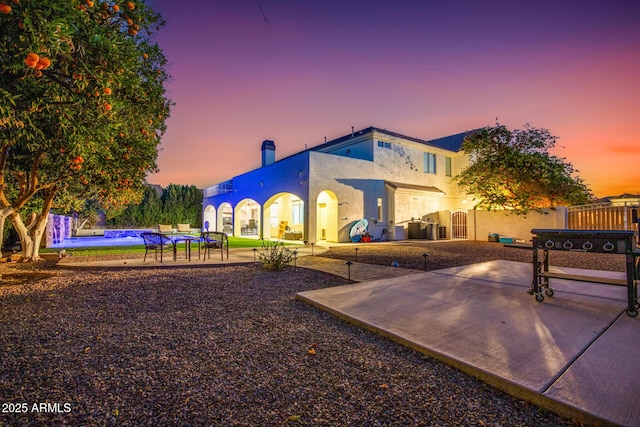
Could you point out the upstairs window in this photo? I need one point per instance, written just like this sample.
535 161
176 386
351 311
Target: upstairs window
447 166
429 163
383 144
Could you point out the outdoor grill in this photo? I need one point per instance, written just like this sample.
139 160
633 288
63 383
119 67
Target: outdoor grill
595 241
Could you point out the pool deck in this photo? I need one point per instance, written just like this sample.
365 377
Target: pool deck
575 353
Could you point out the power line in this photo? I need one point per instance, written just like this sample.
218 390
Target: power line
263 14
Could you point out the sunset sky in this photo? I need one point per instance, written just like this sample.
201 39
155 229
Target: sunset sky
295 71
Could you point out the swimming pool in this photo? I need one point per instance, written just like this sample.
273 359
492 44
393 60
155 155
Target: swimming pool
93 241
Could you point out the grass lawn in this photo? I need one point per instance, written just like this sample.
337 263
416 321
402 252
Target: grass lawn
234 242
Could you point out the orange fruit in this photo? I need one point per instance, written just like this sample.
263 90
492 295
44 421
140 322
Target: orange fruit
32 60
89 3
43 63
132 32
130 5
107 91
5 8
38 73
116 8
107 106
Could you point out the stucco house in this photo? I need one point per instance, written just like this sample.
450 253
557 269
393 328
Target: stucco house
400 184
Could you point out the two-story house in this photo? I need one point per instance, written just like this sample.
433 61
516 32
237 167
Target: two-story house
399 184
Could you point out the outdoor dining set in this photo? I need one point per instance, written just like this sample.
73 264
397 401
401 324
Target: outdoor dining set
166 241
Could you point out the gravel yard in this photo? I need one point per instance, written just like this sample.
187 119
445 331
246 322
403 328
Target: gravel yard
456 253
226 346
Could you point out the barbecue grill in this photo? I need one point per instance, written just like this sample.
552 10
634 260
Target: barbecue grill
594 241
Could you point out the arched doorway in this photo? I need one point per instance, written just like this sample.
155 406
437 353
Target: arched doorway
327 216
247 219
283 217
209 218
225 218
459 225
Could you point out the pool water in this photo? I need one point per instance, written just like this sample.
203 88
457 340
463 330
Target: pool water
93 241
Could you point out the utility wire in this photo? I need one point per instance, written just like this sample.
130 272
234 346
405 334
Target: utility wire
263 14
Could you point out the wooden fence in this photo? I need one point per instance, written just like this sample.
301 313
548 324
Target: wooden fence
602 216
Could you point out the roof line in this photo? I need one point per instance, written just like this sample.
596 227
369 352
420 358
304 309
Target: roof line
370 129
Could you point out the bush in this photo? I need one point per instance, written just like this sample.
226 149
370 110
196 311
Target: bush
275 256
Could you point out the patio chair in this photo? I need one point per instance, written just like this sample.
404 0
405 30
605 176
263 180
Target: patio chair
165 228
214 240
157 243
184 228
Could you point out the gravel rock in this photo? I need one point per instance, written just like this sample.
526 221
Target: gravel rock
457 253
222 346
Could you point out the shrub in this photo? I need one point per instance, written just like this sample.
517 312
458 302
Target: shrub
275 256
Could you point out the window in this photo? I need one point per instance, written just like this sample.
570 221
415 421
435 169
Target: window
380 144
383 144
379 209
447 166
429 163
297 212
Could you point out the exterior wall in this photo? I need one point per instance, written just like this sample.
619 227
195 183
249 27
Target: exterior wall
289 175
481 223
351 182
358 149
358 184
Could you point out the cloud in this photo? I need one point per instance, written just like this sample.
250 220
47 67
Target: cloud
624 149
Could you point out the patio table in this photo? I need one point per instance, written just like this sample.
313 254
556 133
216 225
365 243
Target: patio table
187 244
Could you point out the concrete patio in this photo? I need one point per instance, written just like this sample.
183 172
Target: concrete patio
575 353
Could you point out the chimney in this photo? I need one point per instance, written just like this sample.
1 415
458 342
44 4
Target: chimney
268 152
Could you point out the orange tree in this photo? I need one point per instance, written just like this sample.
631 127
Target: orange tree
514 170
82 106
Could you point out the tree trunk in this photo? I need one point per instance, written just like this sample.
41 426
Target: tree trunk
31 235
4 213
23 232
37 232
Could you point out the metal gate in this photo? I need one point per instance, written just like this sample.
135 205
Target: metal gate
459 225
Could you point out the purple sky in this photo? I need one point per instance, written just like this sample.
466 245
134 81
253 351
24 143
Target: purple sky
418 67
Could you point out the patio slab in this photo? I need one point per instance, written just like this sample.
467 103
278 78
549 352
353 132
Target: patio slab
571 353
